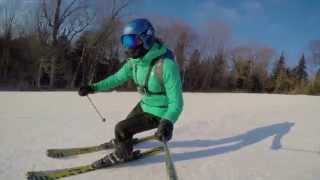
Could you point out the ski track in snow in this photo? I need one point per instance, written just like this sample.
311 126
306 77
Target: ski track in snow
223 136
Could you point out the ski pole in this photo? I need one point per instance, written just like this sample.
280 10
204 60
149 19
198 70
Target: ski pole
98 112
171 171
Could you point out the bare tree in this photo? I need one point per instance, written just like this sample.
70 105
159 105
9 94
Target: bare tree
60 20
250 65
315 51
180 37
214 41
7 23
215 38
103 45
8 19
192 77
65 17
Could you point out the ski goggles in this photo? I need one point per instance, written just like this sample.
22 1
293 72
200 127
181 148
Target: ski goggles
130 41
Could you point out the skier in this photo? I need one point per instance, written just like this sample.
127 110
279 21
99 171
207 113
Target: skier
155 73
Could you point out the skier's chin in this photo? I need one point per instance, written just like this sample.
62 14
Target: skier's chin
136 53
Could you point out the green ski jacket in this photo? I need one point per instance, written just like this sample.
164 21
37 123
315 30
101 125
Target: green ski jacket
168 105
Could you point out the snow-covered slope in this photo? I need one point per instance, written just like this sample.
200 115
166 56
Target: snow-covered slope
221 136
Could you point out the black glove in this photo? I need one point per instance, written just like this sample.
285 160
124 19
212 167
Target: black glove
164 132
85 90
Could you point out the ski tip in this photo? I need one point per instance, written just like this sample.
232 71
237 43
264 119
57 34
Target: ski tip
49 153
31 175
136 152
53 154
38 175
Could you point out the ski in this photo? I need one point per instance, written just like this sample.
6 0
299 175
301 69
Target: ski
61 173
60 153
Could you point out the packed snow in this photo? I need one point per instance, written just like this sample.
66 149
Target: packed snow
223 136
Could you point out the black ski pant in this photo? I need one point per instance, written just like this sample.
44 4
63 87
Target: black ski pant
137 121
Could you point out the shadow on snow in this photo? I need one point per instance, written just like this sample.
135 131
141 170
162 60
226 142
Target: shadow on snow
225 145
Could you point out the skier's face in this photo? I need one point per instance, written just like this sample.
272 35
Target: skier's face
136 52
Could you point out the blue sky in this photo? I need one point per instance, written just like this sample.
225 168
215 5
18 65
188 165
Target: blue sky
286 25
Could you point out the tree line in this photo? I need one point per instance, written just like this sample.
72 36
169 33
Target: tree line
68 44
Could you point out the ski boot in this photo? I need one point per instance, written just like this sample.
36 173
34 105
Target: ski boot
123 152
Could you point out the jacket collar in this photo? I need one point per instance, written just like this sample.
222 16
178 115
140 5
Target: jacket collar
156 50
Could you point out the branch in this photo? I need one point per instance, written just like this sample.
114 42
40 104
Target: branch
79 31
115 12
45 13
68 8
76 26
65 16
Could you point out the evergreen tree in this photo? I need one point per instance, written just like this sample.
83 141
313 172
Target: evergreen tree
255 83
318 73
241 74
280 77
279 68
300 70
314 86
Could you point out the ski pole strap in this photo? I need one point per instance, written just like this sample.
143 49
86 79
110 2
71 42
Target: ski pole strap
171 171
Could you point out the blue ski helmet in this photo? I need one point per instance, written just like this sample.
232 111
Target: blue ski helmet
136 32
